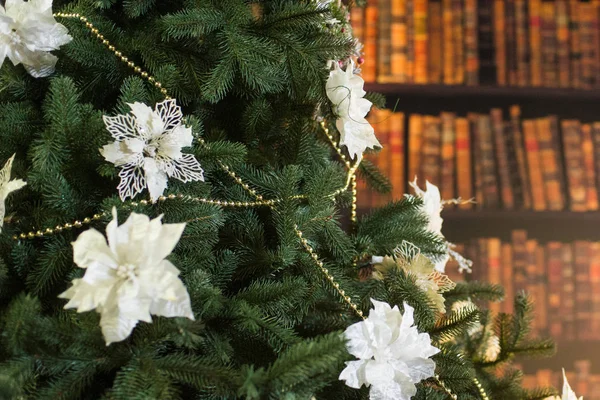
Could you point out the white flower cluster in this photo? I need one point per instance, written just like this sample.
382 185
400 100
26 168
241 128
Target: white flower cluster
7 186
393 355
28 32
128 278
345 91
148 146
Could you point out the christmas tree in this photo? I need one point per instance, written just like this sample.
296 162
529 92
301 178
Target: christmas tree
179 217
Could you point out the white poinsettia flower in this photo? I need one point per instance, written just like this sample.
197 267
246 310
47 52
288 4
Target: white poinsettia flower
127 279
28 32
345 91
568 393
393 355
148 147
7 186
432 207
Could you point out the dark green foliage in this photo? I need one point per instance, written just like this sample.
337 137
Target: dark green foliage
250 76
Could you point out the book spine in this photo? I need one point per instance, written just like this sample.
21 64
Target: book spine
399 41
500 42
596 142
415 143
506 187
558 157
531 283
519 245
448 157
384 41
511 42
550 171
567 294
521 42
475 160
431 151
357 21
383 157
562 36
549 49
535 42
594 257
464 175
420 16
587 146
396 141
541 285
554 267
519 151
596 40
587 45
458 38
369 68
448 43
488 162
471 43
494 252
410 40
575 44
535 169
576 176
507 278
583 291
435 56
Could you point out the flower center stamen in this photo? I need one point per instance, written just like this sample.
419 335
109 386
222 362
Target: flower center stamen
127 271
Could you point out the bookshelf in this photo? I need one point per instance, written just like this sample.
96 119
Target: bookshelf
521 54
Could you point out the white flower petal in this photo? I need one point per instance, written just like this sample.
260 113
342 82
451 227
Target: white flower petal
170 113
568 393
116 328
7 186
156 179
173 299
354 374
133 181
91 248
121 127
188 169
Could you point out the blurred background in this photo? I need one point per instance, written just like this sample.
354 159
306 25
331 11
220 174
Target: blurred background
497 100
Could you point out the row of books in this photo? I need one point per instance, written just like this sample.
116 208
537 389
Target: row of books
554 43
501 161
581 379
563 280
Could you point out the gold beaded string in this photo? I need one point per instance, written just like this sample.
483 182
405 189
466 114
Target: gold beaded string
482 392
351 171
94 31
441 384
315 257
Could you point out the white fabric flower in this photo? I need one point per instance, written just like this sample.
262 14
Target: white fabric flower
345 91
128 277
28 32
568 393
7 186
432 206
393 355
148 149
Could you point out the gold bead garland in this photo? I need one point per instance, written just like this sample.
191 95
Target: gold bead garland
441 384
325 272
94 31
482 392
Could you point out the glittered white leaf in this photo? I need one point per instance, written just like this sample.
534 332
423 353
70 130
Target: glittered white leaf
133 181
170 113
121 127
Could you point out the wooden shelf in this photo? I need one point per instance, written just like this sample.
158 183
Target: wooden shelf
454 91
567 354
461 225
567 226
534 101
